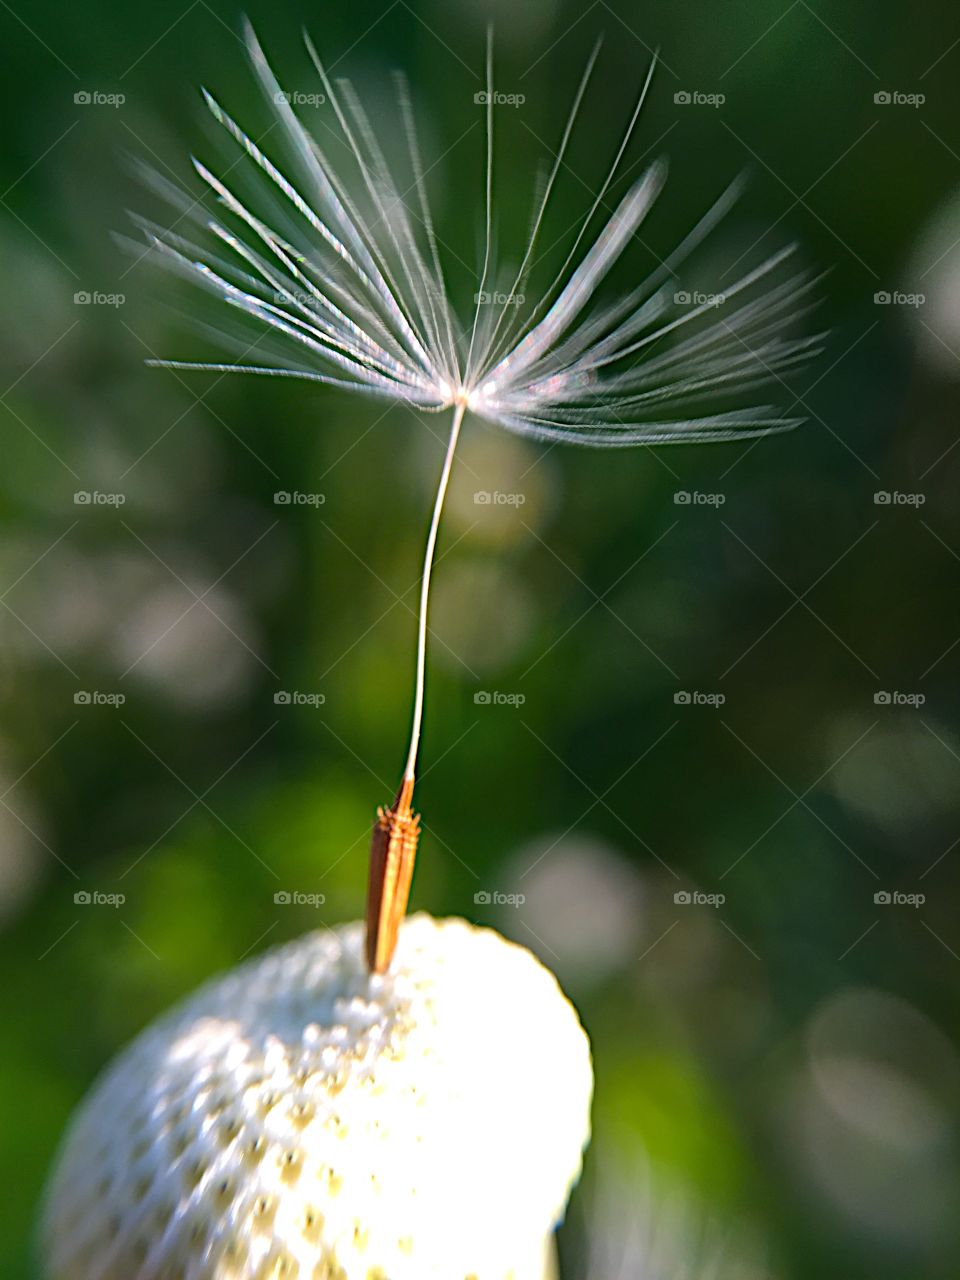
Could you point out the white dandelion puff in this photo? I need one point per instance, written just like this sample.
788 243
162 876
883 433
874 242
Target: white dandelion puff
299 1117
342 275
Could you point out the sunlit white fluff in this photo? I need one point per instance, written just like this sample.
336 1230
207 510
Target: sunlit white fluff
341 271
301 1119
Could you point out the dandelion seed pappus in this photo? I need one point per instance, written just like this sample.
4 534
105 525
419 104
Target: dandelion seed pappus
349 291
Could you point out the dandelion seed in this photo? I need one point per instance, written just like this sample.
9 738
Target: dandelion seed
346 284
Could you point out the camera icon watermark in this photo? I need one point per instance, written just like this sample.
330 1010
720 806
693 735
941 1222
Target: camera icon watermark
898 98
98 298
886 898
697 98
894 698
295 898
698 698
494 898
297 99
297 698
896 498
695 298
696 898
294 498
497 698
97 98
494 498
898 298
97 698
498 99
486 298
94 498
96 898
695 498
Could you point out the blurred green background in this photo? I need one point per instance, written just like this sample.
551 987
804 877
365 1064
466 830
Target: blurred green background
777 1074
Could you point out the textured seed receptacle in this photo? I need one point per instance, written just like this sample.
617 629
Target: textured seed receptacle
300 1119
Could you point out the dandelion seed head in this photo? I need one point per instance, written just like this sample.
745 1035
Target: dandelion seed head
302 1117
338 273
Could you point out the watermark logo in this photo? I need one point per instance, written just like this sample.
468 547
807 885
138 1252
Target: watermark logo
498 99
297 99
894 698
294 898
295 698
494 898
97 98
496 698
897 298
301 297
697 698
97 298
484 498
894 498
697 98
96 698
96 898
694 498
897 98
88 498
294 498
694 298
895 898
695 898
496 299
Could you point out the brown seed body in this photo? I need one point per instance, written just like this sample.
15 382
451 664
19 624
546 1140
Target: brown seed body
393 851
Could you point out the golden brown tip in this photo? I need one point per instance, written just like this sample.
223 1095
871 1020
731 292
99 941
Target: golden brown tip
393 851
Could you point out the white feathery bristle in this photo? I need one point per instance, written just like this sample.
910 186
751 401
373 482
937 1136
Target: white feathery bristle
338 267
300 1119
